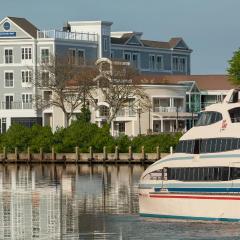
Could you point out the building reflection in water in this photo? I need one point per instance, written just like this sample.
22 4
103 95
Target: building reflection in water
66 202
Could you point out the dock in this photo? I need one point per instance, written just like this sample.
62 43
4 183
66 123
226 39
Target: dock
79 158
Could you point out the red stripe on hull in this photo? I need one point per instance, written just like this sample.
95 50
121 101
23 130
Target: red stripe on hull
195 197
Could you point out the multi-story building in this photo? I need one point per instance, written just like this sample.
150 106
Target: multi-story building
24 47
175 99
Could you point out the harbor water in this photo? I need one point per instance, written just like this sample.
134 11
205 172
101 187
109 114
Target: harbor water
87 202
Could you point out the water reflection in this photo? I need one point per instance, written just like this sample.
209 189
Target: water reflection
86 202
65 202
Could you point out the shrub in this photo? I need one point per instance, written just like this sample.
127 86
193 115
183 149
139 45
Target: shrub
41 137
16 136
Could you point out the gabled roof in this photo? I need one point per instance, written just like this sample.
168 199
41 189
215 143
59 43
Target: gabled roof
204 82
25 25
173 43
122 40
156 44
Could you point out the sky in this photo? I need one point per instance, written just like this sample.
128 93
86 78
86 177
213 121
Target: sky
211 28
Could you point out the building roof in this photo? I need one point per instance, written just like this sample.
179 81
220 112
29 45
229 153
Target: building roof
25 25
172 43
204 82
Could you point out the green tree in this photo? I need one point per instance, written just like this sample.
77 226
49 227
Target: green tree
234 68
41 137
17 136
84 115
84 135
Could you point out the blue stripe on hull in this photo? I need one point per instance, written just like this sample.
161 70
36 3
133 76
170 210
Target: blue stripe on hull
201 190
189 217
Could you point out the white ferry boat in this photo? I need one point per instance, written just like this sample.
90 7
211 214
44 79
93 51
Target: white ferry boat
201 180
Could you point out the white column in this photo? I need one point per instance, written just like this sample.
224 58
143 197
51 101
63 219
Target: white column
161 124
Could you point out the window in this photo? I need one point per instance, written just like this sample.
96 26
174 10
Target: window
209 145
127 56
8 79
45 78
182 65
105 44
104 111
235 114
179 64
26 97
175 64
9 102
135 60
8 55
4 125
81 57
45 54
152 62
121 127
72 56
26 53
203 174
207 118
156 175
26 100
26 76
159 63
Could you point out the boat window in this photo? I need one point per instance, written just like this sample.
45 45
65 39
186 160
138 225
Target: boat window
204 174
235 114
155 175
207 118
197 143
210 145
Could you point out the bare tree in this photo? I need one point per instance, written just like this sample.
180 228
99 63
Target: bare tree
119 87
63 84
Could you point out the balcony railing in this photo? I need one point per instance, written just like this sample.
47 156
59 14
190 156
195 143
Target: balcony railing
205 104
126 112
167 109
55 34
15 105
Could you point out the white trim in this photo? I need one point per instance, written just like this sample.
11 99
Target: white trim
16 65
44 48
8 71
167 96
29 94
24 60
29 76
17 26
139 41
4 56
15 41
138 60
150 56
151 49
162 63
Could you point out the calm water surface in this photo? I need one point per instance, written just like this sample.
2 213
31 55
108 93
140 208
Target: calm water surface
86 202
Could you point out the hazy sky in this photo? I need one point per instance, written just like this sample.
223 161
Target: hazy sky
210 27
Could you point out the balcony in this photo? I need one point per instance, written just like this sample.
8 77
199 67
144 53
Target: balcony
206 104
55 34
167 109
126 112
15 105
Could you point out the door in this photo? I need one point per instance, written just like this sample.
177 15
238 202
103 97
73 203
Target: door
9 102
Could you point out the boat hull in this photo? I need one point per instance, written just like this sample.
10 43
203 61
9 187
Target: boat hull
212 207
